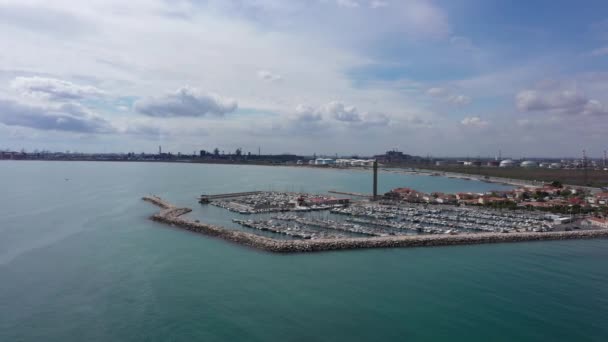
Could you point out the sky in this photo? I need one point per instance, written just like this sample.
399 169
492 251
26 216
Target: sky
439 78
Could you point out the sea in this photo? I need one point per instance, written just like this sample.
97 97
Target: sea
81 261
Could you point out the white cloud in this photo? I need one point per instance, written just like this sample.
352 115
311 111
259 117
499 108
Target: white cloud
445 95
603 51
54 89
474 121
460 100
185 102
424 18
347 3
377 4
307 113
568 102
64 117
594 107
531 100
338 112
437 92
269 76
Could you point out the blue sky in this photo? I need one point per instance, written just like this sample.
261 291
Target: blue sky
328 76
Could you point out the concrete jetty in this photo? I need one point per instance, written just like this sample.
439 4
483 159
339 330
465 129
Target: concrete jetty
171 214
354 194
209 198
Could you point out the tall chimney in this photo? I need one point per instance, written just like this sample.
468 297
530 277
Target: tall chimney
375 180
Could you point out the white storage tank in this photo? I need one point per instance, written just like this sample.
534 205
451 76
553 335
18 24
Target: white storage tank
507 163
555 166
529 164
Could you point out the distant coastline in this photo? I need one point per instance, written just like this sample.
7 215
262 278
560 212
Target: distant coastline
412 170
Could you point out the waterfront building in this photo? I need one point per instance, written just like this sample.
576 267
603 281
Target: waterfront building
492 199
598 222
324 161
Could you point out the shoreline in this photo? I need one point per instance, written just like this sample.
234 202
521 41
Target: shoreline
481 178
493 179
381 169
411 170
170 214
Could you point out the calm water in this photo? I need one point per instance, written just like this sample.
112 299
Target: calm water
79 261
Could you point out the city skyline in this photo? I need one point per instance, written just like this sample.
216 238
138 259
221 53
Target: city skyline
343 76
208 152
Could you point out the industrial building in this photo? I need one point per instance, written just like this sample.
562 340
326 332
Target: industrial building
355 162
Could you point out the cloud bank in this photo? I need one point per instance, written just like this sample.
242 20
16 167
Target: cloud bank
54 89
186 102
67 118
567 102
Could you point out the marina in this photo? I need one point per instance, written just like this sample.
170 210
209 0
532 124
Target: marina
375 218
303 239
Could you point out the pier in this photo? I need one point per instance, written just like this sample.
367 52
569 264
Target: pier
209 198
170 214
354 194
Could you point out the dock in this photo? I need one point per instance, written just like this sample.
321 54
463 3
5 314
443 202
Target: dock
354 194
171 214
209 198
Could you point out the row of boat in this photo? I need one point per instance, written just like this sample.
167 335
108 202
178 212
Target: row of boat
427 219
293 230
337 225
270 202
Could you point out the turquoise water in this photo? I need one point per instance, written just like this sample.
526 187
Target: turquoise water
79 261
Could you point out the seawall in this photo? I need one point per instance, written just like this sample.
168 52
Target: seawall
170 214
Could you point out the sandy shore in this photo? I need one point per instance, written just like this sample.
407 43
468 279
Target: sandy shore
170 214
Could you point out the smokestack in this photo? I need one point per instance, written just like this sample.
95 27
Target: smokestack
605 158
160 150
584 159
375 180
585 168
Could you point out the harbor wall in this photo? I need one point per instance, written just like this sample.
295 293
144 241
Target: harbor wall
172 215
